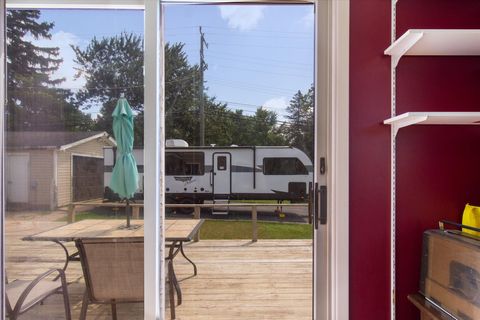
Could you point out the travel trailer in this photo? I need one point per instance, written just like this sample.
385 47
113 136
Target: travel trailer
196 174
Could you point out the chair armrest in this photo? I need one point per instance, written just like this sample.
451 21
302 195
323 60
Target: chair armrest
34 282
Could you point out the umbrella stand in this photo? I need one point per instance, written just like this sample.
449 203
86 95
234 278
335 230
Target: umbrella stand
127 212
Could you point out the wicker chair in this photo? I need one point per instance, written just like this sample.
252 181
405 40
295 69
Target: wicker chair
113 271
22 295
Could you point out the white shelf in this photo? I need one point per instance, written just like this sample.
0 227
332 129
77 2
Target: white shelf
433 118
435 42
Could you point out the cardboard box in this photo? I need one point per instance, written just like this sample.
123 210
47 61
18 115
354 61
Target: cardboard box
450 274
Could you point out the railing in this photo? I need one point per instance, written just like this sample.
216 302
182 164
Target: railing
196 210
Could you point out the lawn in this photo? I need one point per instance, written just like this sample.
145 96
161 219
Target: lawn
232 229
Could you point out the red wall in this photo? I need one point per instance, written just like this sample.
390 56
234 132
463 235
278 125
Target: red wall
438 168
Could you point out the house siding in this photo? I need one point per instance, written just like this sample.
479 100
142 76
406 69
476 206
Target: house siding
64 168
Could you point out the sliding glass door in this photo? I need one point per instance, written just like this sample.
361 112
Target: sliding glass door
66 72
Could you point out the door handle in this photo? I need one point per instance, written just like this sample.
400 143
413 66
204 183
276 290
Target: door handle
320 205
315 206
323 204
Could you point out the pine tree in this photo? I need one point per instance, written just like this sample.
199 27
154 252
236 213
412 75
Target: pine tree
299 128
33 101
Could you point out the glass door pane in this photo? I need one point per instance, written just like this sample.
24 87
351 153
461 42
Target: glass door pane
68 70
239 100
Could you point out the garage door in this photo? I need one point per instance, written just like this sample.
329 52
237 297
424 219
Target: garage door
87 178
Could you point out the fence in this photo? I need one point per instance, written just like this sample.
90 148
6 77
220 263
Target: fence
196 210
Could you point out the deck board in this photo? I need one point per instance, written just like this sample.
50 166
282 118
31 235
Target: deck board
237 279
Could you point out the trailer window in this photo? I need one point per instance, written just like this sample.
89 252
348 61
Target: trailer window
283 166
184 164
222 163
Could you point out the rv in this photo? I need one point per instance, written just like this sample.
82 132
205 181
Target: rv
196 174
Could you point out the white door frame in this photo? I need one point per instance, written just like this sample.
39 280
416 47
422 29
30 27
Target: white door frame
336 99
3 154
331 129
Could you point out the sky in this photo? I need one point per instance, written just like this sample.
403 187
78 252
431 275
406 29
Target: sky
256 55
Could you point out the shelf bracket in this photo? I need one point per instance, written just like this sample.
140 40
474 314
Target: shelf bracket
405 43
397 125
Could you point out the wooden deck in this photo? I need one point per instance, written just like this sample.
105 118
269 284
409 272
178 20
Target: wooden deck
237 279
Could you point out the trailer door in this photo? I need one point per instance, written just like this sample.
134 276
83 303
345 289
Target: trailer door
222 175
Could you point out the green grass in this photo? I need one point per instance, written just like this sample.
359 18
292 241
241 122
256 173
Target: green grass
231 229
79 216
259 201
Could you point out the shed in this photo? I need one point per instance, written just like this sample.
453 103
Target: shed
46 170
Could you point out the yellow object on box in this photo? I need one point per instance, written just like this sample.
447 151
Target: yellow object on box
471 218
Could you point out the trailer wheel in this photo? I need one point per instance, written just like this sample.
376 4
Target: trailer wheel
185 201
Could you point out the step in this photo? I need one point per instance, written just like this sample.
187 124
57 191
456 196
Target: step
223 210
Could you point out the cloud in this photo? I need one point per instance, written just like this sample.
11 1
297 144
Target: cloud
63 40
276 104
243 18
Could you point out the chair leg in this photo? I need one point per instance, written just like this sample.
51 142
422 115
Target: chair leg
177 286
66 303
170 289
83 312
66 299
114 311
188 259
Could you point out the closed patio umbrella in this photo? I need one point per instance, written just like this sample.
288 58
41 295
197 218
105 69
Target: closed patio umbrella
124 179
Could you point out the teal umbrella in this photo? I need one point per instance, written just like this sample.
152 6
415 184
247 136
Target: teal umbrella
124 179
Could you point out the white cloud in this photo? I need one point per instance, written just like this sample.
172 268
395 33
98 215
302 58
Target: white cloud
243 18
276 104
63 40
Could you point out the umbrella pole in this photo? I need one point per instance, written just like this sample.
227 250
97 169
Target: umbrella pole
127 211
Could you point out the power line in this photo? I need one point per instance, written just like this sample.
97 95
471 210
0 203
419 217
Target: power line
259 46
228 54
250 83
269 72
283 65
248 88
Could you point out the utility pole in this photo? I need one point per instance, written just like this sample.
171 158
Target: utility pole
203 67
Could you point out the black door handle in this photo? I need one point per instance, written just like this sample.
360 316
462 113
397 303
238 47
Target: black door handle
323 204
315 206
320 205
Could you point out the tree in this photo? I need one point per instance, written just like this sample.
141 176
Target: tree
111 67
181 95
259 129
114 65
299 128
33 102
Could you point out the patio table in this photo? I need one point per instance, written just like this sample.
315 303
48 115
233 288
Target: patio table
177 231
